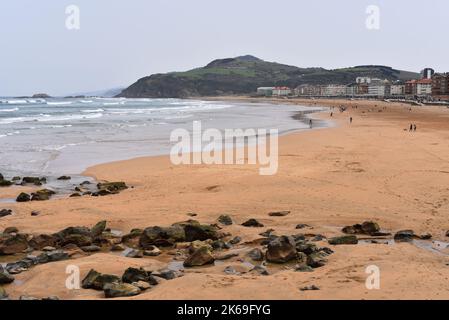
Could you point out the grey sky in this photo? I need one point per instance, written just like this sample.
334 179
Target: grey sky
123 40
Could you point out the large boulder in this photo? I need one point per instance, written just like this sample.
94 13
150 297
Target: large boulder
116 290
281 250
97 281
200 257
42 195
23 197
13 244
404 236
159 236
132 275
200 232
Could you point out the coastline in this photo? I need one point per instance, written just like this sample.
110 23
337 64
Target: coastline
370 170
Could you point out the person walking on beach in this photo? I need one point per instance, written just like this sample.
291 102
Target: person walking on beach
310 124
414 127
332 114
411 127
350 120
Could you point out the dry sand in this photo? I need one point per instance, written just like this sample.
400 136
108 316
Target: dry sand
328 178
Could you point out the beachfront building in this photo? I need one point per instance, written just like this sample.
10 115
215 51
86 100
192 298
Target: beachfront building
282 91
265 91
333 90
308 90
397 89
440 86
352 89
422 87
379 88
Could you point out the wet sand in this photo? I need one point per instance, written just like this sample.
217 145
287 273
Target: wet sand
328 178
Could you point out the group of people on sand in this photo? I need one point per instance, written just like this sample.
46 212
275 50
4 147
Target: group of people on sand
412 127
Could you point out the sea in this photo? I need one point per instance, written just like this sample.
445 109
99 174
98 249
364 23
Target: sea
52 137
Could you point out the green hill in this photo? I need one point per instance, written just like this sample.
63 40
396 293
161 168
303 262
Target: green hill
244 74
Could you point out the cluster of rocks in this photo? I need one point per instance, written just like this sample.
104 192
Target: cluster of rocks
372 229
133 281
103 189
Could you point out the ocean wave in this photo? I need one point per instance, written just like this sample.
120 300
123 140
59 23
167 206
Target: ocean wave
15 101
3 135
59 103
86 101
9 110
50 118
92 111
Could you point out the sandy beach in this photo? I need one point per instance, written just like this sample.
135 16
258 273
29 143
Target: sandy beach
373 169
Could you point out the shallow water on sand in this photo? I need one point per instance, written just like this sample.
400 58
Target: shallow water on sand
65 136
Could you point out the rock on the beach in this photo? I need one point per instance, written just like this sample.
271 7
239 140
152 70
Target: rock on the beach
316 260
98 228
42 195
367 227
132 275
41 241
5 277
279 213
34 180
116 290
5 212
97 281
196 231
112 187
79 240
225 220
159 236
152 252
64 178
256 254
5 183
200 257
133 253
23 197
281 250
310 288
349 239
13 244
10 230
253 223
404 236
3 294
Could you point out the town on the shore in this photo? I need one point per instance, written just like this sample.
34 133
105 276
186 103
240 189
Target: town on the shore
431 87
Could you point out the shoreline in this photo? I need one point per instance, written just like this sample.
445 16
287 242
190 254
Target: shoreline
327 179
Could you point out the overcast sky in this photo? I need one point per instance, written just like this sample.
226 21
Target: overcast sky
120 41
